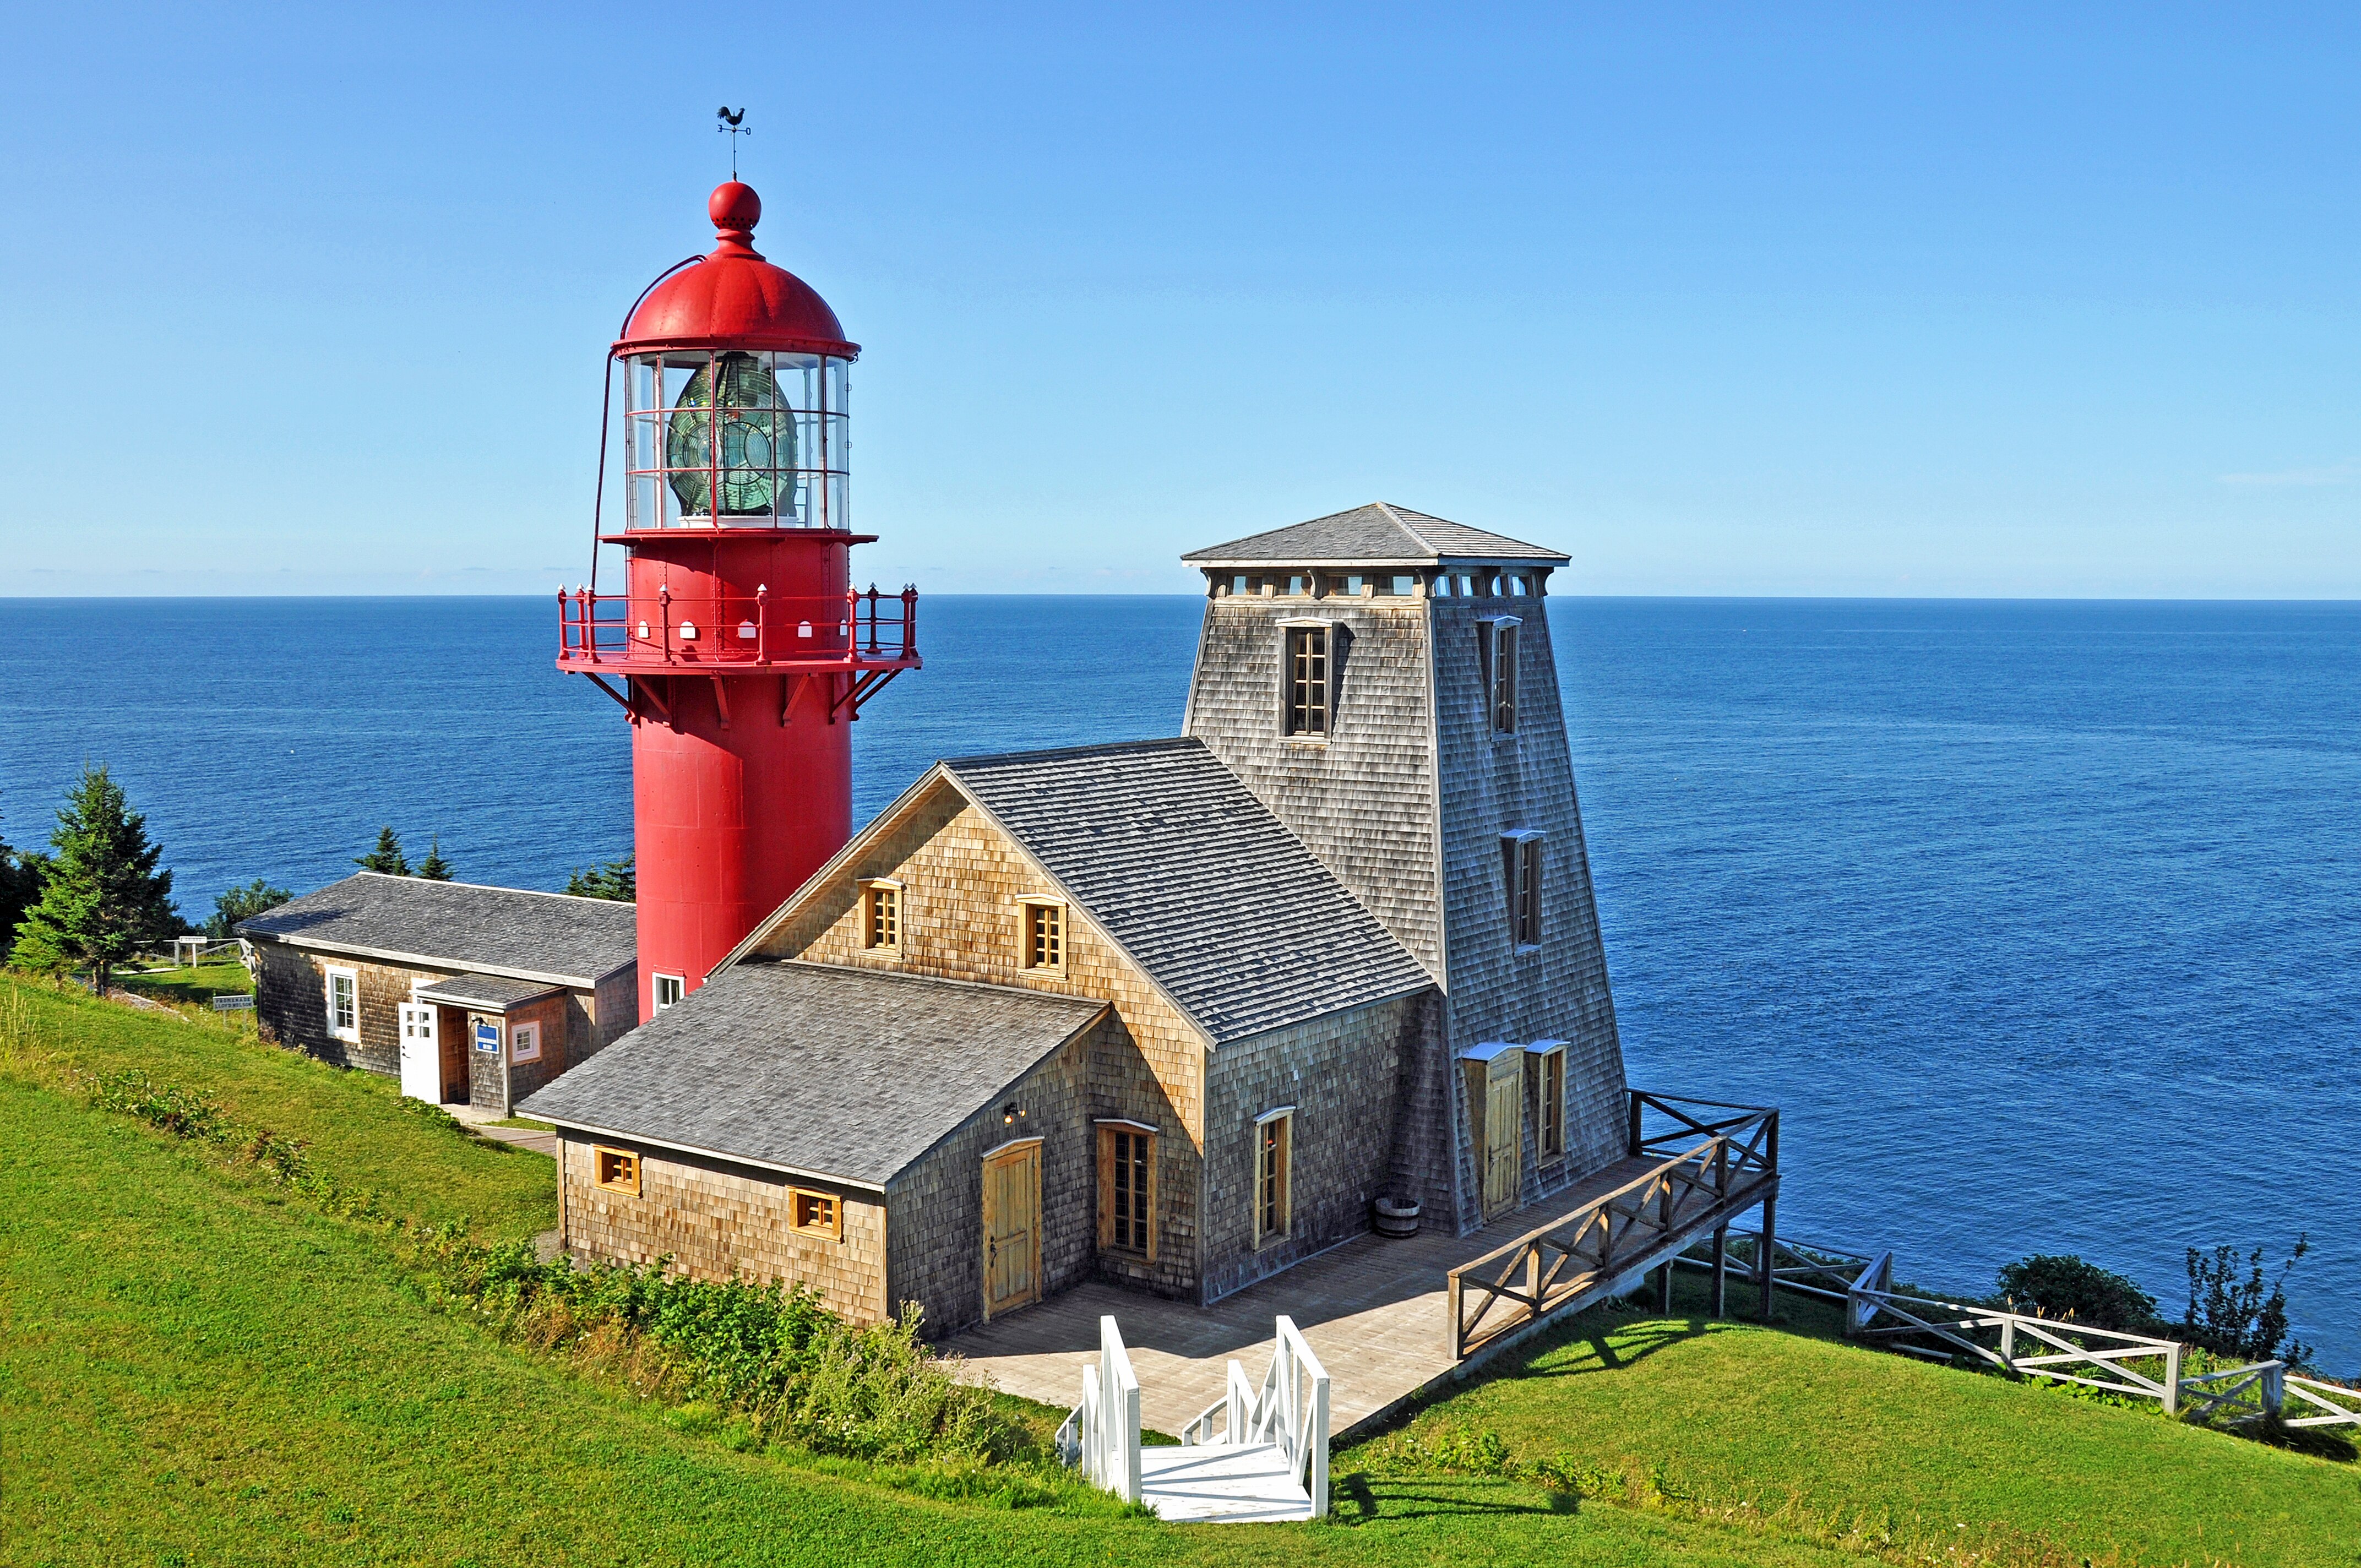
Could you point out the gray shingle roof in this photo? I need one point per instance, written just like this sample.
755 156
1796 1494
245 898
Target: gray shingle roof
484 993
1373 534
1166 848
457 925
838 1072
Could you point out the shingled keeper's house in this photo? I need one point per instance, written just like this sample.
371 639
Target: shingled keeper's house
470 995
1170 1013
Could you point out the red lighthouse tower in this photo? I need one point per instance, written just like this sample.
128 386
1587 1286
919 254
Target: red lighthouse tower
742 649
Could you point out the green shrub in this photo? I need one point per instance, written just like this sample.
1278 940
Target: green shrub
183 1112
2068 1288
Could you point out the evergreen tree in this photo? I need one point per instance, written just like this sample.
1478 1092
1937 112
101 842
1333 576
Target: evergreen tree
615 880
435 868
103 899
387 857
243 904
21 875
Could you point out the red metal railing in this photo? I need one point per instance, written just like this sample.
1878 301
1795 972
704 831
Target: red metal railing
858 629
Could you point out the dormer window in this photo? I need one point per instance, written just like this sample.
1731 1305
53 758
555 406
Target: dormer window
1305 681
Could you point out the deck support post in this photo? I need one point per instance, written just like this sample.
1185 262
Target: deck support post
1665 1289
1766 1253
1721 1271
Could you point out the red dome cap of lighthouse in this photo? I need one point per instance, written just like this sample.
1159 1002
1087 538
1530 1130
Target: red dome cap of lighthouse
734 299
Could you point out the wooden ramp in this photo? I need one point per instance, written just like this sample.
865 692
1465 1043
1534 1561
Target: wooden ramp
1195 1483
1377 1312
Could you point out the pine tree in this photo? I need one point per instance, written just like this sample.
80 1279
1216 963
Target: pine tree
22 872
615 880
104 898
435 868
387 857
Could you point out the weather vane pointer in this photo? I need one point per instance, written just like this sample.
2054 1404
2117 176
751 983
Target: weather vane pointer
734 122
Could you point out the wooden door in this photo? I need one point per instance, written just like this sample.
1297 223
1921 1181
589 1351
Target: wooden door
1012 1226
1504 1132
450 1024
422 1054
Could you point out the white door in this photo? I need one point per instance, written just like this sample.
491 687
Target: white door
422 1055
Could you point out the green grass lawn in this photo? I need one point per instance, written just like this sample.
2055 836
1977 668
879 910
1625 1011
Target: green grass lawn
1734 1419
182 983
201 1368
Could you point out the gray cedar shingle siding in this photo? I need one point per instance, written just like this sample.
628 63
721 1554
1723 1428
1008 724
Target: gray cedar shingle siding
850 1074
455 925
1197 880
1374 534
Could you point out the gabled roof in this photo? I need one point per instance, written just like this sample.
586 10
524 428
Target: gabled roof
1166 850
1375 534
548 936
845 1073
484 993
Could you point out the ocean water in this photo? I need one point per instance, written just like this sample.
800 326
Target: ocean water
2041 922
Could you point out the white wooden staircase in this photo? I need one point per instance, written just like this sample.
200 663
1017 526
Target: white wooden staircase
1255 1455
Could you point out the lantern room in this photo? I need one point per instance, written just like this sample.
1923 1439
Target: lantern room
735 393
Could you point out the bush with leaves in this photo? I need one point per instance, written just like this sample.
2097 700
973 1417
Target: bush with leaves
237 904
2235 1313
2074 1289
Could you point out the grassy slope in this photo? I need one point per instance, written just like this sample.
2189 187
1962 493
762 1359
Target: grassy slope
199 1373
419 1166
195 1366
1738 1414
199 985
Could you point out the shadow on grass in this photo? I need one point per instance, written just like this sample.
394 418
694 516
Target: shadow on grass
1362 1499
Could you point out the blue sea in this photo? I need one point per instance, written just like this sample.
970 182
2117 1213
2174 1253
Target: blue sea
2041 921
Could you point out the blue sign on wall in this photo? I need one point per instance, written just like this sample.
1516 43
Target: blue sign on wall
487 1038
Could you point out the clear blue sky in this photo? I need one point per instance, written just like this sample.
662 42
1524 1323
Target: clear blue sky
1889 300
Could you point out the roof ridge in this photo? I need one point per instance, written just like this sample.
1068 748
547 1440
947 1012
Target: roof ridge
485 887
1395 516
906 976
1103 748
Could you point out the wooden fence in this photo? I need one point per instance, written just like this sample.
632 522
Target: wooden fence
1808 1268
2141 1365
1708 1168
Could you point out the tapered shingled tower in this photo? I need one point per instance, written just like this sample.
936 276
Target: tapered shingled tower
739 646
1384 680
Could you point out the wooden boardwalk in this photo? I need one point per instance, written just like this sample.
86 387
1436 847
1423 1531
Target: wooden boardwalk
1374 1311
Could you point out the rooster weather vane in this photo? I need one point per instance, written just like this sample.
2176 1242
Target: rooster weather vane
734 122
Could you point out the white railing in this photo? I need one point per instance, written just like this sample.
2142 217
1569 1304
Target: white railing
2099 1358
2342 1405
1289 1411
1102 1435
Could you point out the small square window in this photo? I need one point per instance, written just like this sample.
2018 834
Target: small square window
1299 583
882 916
1401 585
815 1214
524 1042
1356 586
1045 936
668 990
617 1169
1239 584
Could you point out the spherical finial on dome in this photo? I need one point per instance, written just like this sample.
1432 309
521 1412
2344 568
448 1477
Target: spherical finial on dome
735 210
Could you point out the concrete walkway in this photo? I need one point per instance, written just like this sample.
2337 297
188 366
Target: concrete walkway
480 1122
1373 1311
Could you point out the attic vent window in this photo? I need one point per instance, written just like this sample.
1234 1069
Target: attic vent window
1307 681
618 1170
882 916
1299 583
1045 937
815 1214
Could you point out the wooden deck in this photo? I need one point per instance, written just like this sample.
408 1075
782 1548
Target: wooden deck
1374 1311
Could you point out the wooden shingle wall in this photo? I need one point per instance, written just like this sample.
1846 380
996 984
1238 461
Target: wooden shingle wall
934 1228
717 1221
614 1011
290 1005
1493 783
1340 1073
963 892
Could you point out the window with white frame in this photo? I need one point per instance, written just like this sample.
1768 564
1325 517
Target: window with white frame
344 1004
524 1042
1521 868
668 990
1273 1152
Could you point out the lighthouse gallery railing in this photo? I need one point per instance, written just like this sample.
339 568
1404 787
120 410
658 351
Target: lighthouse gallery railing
862 629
